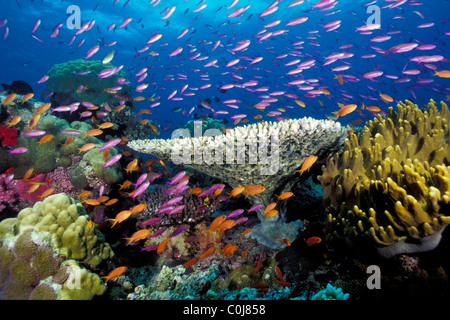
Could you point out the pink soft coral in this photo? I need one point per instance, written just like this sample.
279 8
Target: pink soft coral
8 136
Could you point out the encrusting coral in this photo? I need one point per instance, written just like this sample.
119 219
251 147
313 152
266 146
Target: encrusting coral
41 249
264 153
391 184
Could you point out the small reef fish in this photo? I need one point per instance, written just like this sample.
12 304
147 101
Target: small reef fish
112 160
237 191
138 236
307 164
162 246
120 217
285 195
115 273
313 241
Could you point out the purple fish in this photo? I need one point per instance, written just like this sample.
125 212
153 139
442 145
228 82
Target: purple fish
205 193
157 233
172 201
18 150
177 178
151 248
92 51
110 144
140 189
151 221
71 132
35 133
141 179
177 232
166 209
235 213
112 160
255 207
241 220
177 209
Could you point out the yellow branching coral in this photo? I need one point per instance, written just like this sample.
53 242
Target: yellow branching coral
391 184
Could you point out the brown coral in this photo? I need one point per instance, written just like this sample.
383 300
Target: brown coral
391 183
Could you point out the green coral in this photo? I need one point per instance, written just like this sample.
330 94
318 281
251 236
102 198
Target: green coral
64 80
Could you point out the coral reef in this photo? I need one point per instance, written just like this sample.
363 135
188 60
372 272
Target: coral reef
330 293
79 80
60 221
390 186
266 153
8 136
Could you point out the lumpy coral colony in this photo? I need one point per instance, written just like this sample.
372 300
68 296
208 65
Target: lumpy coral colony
386 188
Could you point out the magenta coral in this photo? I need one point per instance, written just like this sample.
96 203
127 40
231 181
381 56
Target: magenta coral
7 194
8 136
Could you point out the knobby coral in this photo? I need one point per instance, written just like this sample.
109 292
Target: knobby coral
390 185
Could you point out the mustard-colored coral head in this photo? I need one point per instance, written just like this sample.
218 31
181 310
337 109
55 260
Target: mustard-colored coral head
390 186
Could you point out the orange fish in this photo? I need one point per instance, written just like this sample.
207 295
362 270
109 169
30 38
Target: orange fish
196 190
190 263
258 266
207 253
14 121
44 108
147 111
286 242
93 133
386 98
279 274
258 116
138 208
228 224
46 139
254 190
162 246
144 122
307 164
69 141
140 98
237 191
46 193
105 154
115 273
217 192
83 194
138 236
285 195
86 147
373 109
27 97
125 185
271 213
229 249
120 217
344 110
103 199
105 125
92 202
313 241
28 174
270 207
244 254
131 166
111 202
10 98
442 73
34 121
300 103
119 108
243 233
217 222
340 79
33 188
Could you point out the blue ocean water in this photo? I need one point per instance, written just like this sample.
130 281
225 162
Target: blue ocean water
275 67
26 58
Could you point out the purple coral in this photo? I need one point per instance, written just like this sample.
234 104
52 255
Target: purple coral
23 266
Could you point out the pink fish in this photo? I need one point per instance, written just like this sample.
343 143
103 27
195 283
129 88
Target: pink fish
235 213
232 63
169 13
151 221
373 74
296 21
92 51
238 116
244 44
36 25
405 47
43 79
34 133
294 3
201 7
176 51
18 150
71 132
112 160
140 189
268 11
177 177
177 209
255 207
323 3
172 201
178 231
110 144
141 87
140 180
125 22
174 92
165 209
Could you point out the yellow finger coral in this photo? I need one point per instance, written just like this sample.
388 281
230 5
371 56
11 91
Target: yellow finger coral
391 184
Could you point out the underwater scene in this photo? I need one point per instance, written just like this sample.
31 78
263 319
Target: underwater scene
209 150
